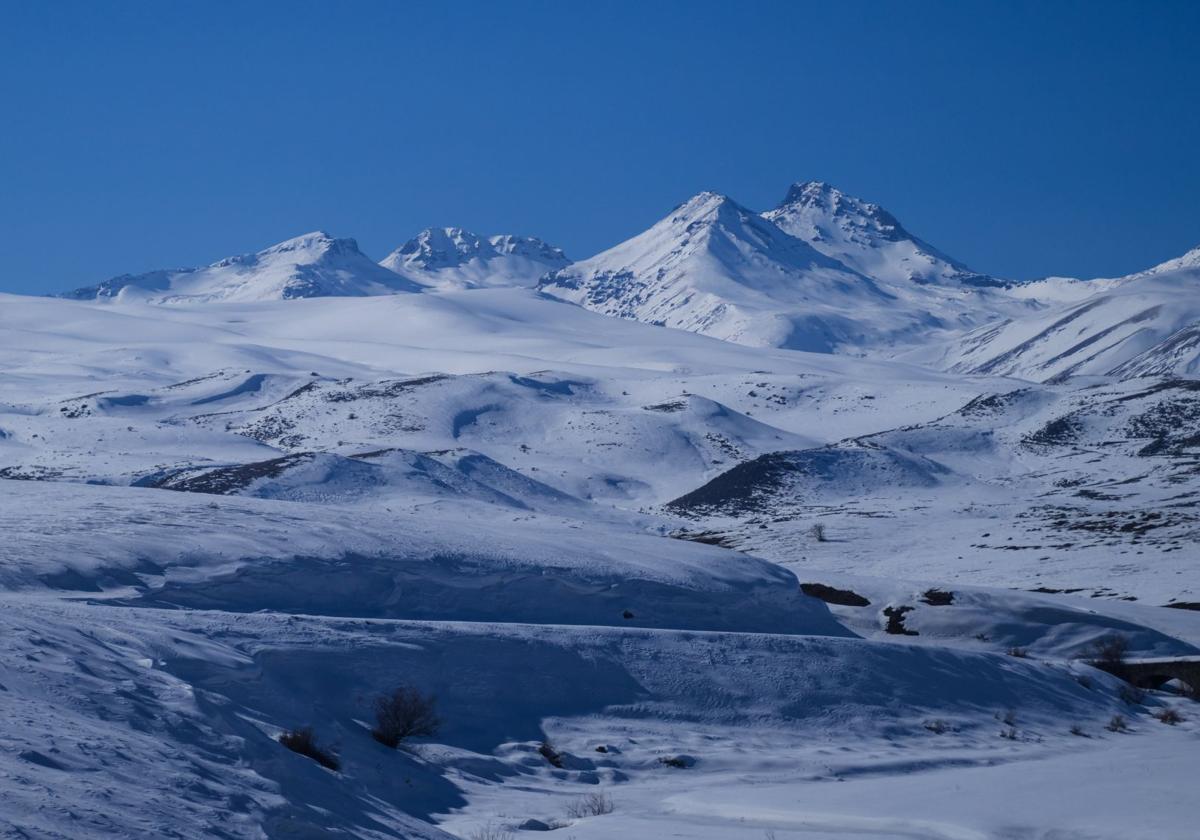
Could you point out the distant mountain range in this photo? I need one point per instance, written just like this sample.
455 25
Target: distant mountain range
823 271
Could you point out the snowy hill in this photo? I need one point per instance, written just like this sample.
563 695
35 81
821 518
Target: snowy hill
1145 324
313 265
867 238
715 267
1081 474
456 258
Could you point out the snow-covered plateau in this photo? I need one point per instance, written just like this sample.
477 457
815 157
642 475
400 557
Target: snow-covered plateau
757 525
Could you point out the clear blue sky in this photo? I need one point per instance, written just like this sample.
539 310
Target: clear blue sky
1024 138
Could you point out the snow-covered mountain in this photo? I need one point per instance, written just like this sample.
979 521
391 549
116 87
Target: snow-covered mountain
227 521
457 258
867 238
313 265
716 267
1144 324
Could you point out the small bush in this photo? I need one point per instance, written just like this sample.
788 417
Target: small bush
304 742
1110 654
1117 724
591 805
1132 695
1169 717
938 597
1078 731
817 532
937 726
1019 652
405 713
1009 733
490 832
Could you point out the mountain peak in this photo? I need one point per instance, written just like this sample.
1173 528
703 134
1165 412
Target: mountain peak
451 257
707 204
867 238
311 265
317 240
819 197
716 267
1189 260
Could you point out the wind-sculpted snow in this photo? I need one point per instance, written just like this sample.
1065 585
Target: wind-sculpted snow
436 561
173 732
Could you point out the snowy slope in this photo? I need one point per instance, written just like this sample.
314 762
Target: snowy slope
1146 324
1064 488
453 258
867 238
313 265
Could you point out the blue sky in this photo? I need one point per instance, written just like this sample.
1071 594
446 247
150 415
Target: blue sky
1023 138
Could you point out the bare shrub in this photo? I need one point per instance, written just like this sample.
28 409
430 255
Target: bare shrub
304 742
491 831
1110 654
1132 695
404 713
1117 724
817 532
938 597
591 805
1169 716
1009 733
1019 652
937 726
548 752
1078 730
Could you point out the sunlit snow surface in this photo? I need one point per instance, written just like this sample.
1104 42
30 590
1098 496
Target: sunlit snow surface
224 519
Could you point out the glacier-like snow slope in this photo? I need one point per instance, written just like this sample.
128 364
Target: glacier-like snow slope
1146 324
453 258
313 265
